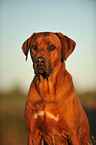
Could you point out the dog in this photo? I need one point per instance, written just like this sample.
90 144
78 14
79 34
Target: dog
53 113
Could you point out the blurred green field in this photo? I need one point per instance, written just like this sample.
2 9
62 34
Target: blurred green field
12 124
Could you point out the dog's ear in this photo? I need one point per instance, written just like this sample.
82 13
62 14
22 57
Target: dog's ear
68 45
26 45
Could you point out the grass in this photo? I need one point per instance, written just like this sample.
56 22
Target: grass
12 123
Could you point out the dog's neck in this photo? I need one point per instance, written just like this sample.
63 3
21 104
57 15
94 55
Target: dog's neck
57 77
58 74
58 67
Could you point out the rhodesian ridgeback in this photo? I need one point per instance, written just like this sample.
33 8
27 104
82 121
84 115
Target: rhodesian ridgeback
53 112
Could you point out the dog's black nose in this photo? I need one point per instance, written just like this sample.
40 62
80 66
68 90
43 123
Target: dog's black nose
40 60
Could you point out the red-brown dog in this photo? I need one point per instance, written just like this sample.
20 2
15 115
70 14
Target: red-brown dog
53 113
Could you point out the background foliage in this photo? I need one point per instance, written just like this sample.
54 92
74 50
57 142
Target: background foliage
12 123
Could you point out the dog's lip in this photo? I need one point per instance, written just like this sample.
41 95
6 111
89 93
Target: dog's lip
40 69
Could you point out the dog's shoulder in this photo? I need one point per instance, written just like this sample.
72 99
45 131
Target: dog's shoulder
33 95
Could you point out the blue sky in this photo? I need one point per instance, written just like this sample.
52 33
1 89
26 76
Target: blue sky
19 19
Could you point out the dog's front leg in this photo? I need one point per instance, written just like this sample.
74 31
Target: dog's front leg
73 137
78 141
34 137
32 141
34 134
75 141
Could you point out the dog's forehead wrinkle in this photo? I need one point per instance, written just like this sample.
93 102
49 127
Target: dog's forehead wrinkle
37 38
48 42
50 38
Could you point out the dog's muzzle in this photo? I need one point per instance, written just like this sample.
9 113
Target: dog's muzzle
40 66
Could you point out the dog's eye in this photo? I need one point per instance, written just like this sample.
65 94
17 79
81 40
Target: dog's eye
34 47
51 47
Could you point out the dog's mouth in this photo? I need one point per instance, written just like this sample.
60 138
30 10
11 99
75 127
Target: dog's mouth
40 70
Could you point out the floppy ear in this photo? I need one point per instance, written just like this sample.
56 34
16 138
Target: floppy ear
68 46
26 45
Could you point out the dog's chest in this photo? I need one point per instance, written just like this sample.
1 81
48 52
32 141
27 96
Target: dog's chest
49 110
46 113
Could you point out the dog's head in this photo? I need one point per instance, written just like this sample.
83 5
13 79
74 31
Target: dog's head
47 49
